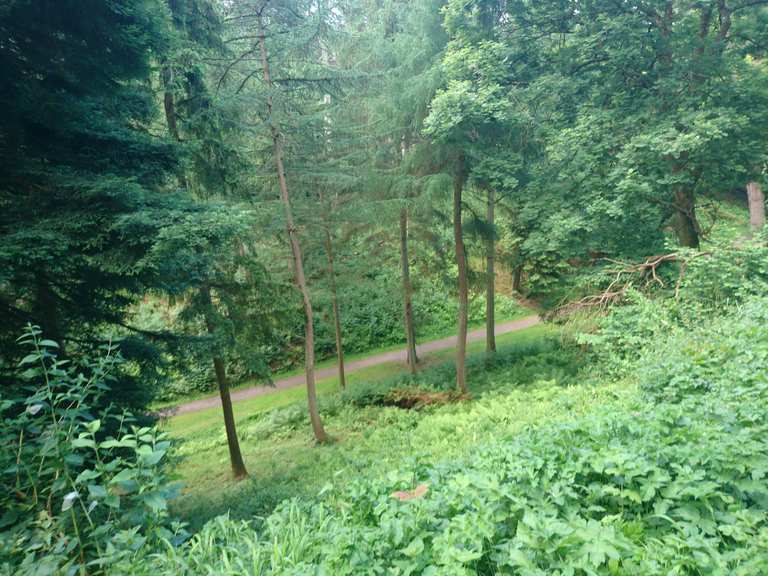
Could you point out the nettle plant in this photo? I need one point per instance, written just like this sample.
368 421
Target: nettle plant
82 485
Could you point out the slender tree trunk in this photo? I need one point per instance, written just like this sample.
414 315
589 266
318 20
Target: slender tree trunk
336 314
490 280
517 278
235 456
47 313
410 330
298 264
756 207
461 263
686 224
169 106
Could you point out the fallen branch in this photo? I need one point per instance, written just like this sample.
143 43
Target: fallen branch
629 275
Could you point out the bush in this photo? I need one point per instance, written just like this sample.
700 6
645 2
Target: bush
81 491
713 283
726 359
676 485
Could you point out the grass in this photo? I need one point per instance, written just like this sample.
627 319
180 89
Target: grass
185 425
329 362
532 381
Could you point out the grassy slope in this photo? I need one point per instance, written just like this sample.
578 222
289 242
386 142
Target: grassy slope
285 463
427 336
533 381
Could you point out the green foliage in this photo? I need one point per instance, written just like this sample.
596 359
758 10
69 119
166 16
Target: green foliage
82 490
532 379
76 160
371 314
727 361
636 488
521 364
87 199
727 275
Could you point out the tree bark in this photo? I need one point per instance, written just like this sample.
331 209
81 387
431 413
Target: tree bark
298 264
686 225
756 207
490 280
410 330
47 312
235 456
517 278
461 263
335 306
169 106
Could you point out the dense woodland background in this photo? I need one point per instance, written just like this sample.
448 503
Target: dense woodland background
201 194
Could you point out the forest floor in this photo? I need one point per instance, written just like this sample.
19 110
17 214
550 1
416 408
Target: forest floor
398 355
530 381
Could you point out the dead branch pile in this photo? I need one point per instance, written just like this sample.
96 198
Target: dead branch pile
626 275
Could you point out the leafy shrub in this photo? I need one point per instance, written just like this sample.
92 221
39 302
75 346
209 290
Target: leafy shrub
722 278
728 358
80 491
674 486
623 335
729 274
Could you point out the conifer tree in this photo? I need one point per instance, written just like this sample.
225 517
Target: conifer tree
84 179
197 31
284 40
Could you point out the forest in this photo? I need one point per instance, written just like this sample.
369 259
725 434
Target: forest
383 287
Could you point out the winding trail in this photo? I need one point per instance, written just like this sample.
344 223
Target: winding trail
354 366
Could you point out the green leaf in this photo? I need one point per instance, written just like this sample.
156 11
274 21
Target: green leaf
124 475
30 359
415 548
86 475
152 458
155 501
83 443
97 491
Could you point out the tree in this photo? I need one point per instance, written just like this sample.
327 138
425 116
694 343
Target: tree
756 206
403 40
82 175
459 179
656 105
282 40
190 36
331 275
464 117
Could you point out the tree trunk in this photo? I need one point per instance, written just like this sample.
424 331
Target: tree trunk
461 263
490 280
756 207
298 264
235 456
169 106
686 225
335 305
517 278
410 330
47 313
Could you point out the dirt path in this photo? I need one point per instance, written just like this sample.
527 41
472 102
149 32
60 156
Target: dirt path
354 366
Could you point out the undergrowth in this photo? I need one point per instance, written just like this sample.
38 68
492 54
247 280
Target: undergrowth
665 478
523 384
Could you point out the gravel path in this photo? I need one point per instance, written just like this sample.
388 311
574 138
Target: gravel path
354 366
